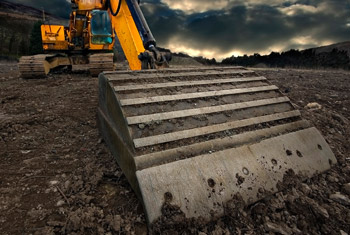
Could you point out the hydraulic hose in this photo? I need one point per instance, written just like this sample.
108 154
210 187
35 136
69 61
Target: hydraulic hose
118 9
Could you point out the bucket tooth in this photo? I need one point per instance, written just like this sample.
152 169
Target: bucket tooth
195 138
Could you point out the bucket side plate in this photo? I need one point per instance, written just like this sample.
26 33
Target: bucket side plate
201 186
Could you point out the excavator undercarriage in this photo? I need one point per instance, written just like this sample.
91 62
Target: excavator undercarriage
38 66
195 138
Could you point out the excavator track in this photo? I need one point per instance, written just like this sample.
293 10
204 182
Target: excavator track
100 62
196 138
34 66
38 66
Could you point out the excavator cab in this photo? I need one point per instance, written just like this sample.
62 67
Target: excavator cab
101 27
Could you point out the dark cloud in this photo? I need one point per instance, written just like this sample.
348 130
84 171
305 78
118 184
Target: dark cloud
253 27
218 28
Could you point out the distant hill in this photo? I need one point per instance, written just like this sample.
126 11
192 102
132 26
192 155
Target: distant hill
336 56
330 56
15 10
20 11
342 46
10 7
16 23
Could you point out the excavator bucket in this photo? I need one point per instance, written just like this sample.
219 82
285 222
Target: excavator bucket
196 138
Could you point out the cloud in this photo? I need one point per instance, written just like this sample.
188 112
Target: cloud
299 9
246 27
220 28
196 6
199 6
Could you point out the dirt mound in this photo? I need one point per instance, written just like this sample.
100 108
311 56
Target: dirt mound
184 61
57 176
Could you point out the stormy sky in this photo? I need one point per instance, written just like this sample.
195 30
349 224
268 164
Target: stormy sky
221 28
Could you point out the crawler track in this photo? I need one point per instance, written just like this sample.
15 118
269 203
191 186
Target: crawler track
100 62
38 66
33 66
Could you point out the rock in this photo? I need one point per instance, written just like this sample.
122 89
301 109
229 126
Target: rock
116 223
341 199
332 179
259 209
67 184
317 96
55 223
127 228
341 119
316 208
219 231
60 203
142 126
279 202
343 233
320 210
275 228
305 189
54 182
313 106
291 198
346 188
296 230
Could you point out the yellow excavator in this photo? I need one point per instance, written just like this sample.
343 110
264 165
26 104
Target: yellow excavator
90 38
195 138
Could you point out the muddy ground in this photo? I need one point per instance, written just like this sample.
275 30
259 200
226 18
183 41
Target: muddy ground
57 176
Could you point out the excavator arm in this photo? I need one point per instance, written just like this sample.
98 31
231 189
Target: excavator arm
134 35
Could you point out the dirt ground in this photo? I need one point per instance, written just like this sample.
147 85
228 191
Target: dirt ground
57 176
